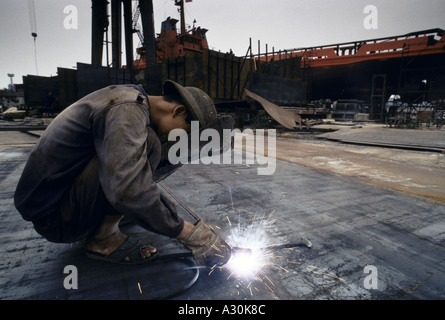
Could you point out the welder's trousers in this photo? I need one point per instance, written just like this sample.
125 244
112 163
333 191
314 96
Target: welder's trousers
83 209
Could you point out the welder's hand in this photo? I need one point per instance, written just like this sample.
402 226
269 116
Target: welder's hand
207 247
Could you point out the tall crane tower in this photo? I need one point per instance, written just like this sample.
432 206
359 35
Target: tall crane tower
11 85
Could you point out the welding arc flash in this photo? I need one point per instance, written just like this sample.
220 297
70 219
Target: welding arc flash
245 263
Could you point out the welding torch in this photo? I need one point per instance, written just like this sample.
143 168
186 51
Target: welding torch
299 243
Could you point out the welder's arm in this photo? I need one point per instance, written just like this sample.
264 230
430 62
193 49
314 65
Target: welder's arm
129 151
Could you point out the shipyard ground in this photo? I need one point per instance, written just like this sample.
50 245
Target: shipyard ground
365 195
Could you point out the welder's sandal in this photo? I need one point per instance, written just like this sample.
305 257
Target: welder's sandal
130 249
208 248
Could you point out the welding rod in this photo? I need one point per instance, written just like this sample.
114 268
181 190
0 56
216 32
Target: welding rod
300 243
180 202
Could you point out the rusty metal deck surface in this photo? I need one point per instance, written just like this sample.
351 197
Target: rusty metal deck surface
350 223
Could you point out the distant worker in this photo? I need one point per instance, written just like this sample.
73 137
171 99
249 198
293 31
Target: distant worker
100 159
49 104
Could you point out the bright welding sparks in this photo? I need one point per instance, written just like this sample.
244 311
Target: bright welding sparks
250 264
244 263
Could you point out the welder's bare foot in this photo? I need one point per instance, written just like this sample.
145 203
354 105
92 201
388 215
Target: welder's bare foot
111 243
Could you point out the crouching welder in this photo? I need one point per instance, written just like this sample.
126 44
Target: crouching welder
100 160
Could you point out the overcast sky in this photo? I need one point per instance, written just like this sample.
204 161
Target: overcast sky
282 24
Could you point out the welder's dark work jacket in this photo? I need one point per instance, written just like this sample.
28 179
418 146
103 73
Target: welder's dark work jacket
112 127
